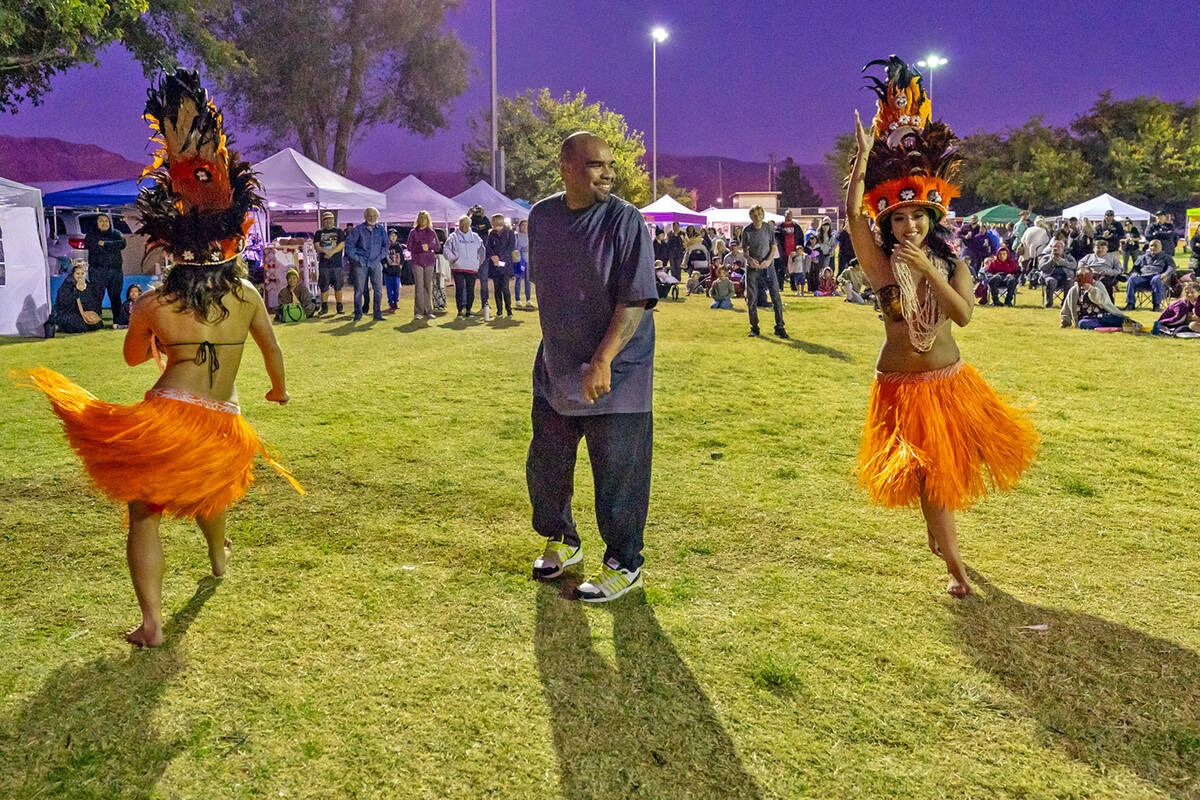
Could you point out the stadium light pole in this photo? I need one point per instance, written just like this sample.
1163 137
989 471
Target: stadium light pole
931 63
657 35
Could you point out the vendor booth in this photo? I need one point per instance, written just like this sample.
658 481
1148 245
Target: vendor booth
999 215
290 181
482 194
735 216
1095 209
24 277
412 195
667 209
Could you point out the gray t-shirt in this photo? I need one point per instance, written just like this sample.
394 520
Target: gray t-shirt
757 242
584 264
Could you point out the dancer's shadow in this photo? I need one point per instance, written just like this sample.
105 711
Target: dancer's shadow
1109 695
88 732
640 728
811 348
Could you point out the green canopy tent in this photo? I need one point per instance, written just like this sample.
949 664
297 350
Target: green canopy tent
998 214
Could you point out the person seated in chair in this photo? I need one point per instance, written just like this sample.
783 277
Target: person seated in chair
1152 270
1001 271
1088 306
77 306
1057 268
1104 264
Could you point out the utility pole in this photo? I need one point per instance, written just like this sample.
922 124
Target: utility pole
770 172
495 120
720 183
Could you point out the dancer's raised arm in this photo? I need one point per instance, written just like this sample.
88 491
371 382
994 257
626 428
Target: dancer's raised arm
870 257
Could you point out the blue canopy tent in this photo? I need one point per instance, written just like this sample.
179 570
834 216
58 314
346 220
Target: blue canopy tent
109 193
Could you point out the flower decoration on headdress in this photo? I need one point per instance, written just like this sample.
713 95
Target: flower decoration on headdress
198 209
914 160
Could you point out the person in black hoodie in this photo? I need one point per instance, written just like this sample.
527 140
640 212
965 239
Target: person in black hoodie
104 246
76 306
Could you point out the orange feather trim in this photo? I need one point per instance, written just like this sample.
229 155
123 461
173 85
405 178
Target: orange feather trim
947 432
190 459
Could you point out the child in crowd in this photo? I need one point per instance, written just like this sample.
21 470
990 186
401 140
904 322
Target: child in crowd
131 294
693 283
797 267
1182 317
663 280
826 285
722 290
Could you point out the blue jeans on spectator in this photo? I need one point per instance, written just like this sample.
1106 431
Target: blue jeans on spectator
725 304
520 279
619 447
1102 321
1158 289
1006 282
362 273
392 283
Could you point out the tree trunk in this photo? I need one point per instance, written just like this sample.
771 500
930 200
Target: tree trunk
354 88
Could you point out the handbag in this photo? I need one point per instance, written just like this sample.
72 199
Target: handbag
291 312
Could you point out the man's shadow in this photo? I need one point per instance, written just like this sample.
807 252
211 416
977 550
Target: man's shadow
640 728
89 730
1109 695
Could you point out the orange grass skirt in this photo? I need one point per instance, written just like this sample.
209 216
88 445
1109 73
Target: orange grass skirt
186 455
947 431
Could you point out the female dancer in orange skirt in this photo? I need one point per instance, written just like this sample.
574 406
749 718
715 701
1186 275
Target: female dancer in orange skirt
185 449
936 433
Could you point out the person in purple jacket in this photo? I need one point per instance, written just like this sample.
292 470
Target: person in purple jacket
424 245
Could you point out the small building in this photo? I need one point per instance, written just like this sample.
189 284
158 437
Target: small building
768 200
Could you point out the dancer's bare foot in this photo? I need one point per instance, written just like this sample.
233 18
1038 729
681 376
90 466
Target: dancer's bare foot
145 635
220 562
958 586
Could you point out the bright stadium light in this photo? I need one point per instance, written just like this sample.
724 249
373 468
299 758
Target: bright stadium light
931 63
659 34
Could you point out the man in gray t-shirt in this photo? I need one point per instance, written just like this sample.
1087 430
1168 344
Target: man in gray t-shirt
592 260
758 240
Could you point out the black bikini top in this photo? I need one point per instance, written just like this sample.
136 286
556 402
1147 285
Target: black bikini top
206 353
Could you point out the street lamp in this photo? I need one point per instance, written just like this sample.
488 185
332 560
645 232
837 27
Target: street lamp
932 63
657 35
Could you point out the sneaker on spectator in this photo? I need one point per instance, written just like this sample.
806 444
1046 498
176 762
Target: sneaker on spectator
609 583
554 559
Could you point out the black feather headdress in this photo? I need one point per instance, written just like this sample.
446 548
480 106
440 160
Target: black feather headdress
198 209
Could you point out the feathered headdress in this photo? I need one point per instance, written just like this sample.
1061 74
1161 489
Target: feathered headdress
914 161
198 209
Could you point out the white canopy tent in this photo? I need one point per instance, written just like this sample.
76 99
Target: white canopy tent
1095 208
412 195
292 182
734 216
668 209
24 274
482 194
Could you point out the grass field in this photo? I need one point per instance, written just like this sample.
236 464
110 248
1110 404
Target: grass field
379 637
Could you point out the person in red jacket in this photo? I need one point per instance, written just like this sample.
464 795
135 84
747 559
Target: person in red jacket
1002 271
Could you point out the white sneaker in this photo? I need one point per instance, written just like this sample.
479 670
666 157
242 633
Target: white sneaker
609 583
487 313
431 316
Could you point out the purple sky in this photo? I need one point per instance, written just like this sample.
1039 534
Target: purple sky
768 77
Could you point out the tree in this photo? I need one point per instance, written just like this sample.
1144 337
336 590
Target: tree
795 190
531 130
325 73
41 38
838 160
667 186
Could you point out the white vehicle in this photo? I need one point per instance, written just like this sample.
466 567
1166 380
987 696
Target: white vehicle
65 232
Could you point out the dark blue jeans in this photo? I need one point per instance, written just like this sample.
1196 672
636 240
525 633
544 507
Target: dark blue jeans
619 447
1137 283
1102 321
